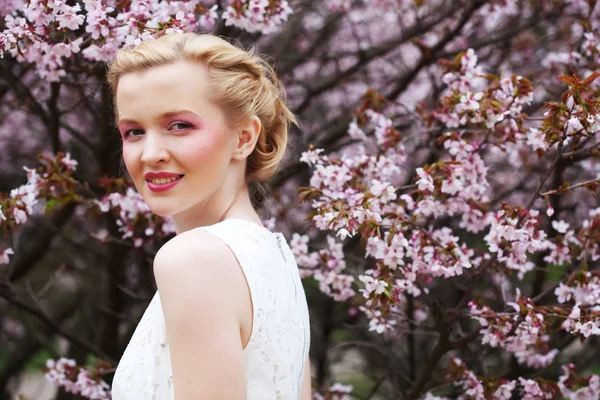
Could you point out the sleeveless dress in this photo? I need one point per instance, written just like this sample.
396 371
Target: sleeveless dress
276 353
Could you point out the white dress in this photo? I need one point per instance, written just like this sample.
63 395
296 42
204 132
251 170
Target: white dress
276 353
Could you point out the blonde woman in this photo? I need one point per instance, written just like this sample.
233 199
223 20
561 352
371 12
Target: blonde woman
201 120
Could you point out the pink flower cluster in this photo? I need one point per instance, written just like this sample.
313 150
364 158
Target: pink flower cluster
136 221
574 387
337 391
584 57
455 186
257 15
584 324
339 5
387 140
52 183
48 32
327 266
25 197
480 123
473 387
332 178
384 5
523 334
77 380
475 98
514 233
570 386
47 183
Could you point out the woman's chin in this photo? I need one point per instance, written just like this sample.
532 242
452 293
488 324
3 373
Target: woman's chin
160 209
163 214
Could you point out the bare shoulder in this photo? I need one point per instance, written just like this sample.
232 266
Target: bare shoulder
196 256
196 268
200 281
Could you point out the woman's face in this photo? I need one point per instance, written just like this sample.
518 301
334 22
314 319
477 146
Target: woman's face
168 125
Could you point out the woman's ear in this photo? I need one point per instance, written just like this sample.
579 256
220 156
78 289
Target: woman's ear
247 138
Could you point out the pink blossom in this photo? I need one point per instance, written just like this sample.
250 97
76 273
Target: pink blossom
372 285
337 391
426 181
69 162
532 391
339 5
257 17
563 293
62 372
505 391
4 253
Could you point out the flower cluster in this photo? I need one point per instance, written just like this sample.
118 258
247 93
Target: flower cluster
575 387
76 379
426 199
387 140
476 99
477 388
339 5
570 386
51 182
576 116
523 333
327 266
514 233
337 391
257 15
479 119
584 323
136 221
383 5
47 33
457 186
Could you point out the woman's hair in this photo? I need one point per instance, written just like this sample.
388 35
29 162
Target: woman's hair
241 83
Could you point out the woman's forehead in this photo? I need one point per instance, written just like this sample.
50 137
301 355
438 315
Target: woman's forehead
179 75
163 89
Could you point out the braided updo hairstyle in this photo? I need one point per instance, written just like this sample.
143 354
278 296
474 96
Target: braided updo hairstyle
242 83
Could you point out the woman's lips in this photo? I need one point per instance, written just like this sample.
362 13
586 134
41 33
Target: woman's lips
157 187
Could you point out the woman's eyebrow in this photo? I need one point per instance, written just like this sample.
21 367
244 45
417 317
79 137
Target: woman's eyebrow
126 122
170 114
163 116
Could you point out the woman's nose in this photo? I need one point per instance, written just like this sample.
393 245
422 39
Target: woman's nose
154 150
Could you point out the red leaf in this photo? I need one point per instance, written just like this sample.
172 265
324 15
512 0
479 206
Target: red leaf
587 81
569 80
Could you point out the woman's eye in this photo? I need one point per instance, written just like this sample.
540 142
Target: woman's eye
178 126
132 132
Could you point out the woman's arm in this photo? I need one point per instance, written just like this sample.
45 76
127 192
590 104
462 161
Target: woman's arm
306 385
201 289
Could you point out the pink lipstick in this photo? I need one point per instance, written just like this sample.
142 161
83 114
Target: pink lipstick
161 187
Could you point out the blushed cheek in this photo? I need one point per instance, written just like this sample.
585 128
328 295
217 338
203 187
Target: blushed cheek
128 160
202 151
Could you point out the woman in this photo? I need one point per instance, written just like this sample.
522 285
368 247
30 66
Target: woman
200 120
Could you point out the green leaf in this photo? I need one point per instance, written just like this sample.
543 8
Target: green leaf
50 204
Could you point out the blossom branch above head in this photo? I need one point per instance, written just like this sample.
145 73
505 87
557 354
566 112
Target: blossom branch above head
48 33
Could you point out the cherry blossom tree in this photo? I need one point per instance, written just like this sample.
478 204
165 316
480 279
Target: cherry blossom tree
440 196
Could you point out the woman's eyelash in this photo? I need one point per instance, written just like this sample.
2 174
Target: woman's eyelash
185 124
128 132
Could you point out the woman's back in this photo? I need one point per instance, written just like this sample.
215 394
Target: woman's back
278 347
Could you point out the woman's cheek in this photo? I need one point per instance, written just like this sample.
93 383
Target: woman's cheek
200 151
129 159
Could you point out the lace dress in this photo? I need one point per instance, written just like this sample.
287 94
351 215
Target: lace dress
276 353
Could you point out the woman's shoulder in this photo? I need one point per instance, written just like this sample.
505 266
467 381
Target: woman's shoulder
195 255
202 300
196 267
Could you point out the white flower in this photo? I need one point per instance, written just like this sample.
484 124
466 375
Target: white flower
560 226
563 293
